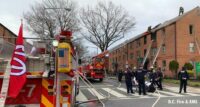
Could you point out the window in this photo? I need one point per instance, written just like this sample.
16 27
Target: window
163 31
138 54
138 43
153 36
124 57
191 47
154 50
145 39
190 29
145 51
163 48
131 56
130 45
164 64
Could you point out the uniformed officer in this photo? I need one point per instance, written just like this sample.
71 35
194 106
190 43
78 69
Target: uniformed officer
128 79
183 76
159 77
140 77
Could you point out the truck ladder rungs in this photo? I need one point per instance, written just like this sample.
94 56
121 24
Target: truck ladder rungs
5 85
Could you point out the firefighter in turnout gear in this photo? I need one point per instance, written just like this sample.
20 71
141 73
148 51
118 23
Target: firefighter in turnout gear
152 76
183 76
159 77
140 77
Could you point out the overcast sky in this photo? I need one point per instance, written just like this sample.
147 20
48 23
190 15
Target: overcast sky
146 12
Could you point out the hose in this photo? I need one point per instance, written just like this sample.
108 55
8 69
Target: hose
91 91
157 98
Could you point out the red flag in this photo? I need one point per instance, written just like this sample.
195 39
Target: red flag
18 67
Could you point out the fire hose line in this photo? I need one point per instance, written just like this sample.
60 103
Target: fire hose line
157 98
85 79
91 90
89 84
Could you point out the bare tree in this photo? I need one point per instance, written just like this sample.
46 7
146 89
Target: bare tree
105 24
48 18
81 49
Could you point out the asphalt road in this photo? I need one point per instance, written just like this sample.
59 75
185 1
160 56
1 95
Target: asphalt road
113 94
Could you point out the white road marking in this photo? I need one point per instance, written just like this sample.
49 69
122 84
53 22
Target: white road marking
125 90
113 92
170 93
81 96
192 94
95 93
176 89
157 95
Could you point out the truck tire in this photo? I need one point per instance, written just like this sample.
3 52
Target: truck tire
100 79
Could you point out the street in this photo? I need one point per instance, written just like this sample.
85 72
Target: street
113 94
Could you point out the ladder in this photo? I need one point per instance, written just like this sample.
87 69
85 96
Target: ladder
196 42
146 55
158 51
5 84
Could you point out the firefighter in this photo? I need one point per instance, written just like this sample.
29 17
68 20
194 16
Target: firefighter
159 77
152 76
183 76
128 79
140 77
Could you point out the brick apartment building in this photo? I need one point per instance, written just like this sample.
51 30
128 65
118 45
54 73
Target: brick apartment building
8 39
7 34
180 37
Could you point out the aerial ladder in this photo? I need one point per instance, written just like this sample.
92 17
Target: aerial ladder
158 51
5 54
147 54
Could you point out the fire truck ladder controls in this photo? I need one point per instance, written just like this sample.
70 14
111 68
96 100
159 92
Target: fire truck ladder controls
5 84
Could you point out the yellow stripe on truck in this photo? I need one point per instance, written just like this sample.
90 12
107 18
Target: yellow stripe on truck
45 84
46 102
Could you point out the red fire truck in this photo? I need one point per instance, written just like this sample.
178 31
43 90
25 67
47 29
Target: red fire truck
59 90
97 68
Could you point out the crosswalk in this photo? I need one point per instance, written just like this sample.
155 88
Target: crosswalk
86 94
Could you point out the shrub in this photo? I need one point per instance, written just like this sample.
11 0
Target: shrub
191 73
188 66
173 66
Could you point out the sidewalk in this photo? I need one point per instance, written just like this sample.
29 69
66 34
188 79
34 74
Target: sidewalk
189 88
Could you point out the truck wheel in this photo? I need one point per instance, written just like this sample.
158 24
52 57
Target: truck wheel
100 79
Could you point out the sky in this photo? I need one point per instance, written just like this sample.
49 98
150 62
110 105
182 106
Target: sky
146 12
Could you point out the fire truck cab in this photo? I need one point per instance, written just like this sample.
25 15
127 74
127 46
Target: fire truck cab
97 68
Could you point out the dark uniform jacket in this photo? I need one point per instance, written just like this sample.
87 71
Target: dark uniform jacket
140 74
159 75
128 76
152 76
183 75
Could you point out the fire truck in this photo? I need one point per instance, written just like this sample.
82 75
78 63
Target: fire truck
96 69
52 79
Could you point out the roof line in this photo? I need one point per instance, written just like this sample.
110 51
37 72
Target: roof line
8 29
156 28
